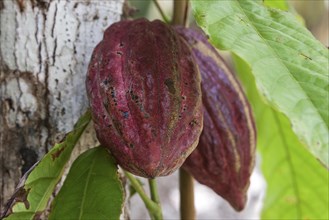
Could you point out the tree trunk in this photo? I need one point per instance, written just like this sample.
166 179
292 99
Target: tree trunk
45 50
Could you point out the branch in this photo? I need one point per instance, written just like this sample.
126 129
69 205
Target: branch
180 12
187 210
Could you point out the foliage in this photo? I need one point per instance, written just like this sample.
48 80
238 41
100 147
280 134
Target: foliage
289 65
31 198
92 189
287 166
279 4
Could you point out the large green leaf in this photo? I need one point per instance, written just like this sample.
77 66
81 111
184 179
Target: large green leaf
280 4
297 185
290 66
32 196
92 189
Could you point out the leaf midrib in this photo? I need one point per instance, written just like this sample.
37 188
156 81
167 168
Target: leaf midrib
86 188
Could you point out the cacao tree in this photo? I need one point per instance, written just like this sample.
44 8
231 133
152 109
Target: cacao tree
160 98
45 50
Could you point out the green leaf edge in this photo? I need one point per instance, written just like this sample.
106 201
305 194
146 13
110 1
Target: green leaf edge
58 152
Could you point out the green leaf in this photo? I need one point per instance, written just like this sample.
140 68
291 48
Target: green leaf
297 185
289 65
92 189
31 198
285 6
279 4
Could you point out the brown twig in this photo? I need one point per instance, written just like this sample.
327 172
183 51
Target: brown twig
186 186
180 12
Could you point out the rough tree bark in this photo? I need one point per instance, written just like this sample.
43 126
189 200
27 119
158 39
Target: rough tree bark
44 52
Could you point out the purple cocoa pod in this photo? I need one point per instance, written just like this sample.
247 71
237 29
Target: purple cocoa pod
224 157
145 96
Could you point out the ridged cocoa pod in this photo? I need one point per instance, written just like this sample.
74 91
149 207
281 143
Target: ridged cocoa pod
224 158
145 96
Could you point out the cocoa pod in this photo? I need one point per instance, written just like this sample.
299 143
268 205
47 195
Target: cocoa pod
145 96
224 157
